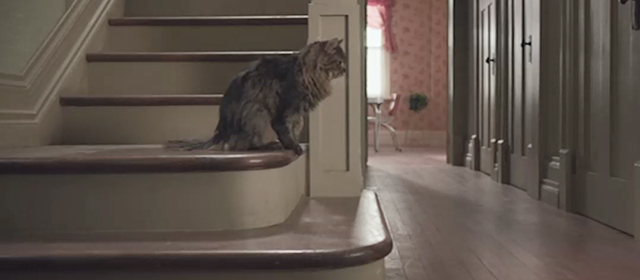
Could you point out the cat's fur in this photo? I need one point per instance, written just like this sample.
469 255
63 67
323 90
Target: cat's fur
273 95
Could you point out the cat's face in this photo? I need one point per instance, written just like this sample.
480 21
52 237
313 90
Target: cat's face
332 58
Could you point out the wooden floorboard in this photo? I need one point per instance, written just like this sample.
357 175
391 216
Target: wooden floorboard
451 223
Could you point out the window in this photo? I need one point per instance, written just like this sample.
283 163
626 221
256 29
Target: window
378 85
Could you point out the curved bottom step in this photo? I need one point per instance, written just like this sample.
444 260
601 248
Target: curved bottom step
146 188
325 238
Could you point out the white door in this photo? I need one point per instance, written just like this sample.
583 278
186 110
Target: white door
486 111
609 115
520 125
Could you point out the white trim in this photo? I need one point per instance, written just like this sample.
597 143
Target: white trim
335 161
45 51
23 100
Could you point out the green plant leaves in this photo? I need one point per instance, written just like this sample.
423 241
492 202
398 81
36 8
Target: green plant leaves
418 101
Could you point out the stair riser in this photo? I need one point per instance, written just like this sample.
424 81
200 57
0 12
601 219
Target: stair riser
207 38
372 271
137 125
215 7
148 202
141 78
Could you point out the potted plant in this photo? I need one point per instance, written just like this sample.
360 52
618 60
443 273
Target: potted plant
417 102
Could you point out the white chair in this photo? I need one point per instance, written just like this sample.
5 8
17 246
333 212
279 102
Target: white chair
386 122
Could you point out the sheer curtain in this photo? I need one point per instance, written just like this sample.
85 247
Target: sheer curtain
380 16
378 64
380 43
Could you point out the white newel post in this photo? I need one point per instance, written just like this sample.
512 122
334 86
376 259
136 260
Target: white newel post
335 138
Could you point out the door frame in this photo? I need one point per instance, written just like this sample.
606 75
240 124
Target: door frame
363 95
573 84
460 85
539 119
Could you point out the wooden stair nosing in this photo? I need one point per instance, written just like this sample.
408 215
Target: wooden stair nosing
297 244
141 159
210 20
141 100
183 56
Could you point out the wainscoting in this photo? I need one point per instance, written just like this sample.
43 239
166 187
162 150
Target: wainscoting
417 138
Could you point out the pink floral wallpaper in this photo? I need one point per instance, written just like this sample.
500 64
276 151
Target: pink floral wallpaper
420 62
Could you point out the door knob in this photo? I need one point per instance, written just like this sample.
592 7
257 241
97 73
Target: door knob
635 10
528 43
489 60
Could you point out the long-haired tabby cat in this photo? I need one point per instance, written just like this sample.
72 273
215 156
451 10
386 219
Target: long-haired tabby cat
273 95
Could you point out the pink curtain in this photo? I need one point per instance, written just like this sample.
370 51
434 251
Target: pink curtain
379 16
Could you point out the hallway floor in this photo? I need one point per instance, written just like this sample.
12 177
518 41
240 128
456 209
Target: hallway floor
450 223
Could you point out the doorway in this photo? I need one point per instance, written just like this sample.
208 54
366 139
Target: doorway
406 75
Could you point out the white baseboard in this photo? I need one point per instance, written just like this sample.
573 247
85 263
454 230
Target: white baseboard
415 138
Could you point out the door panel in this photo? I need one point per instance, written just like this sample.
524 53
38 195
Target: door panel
520 123
609 110
522 97
486 110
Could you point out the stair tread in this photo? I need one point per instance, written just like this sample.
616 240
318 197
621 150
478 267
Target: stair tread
209 20
321 233
141 100
214 56
74 159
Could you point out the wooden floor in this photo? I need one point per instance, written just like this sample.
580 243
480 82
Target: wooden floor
450 223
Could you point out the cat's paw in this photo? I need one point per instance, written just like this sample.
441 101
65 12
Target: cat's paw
273 146
298 149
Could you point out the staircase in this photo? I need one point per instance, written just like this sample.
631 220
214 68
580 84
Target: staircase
108 202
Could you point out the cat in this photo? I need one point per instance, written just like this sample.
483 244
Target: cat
272 96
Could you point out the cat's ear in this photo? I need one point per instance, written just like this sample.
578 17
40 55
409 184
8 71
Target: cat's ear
334 43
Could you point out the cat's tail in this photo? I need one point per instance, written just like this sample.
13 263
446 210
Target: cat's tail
189 145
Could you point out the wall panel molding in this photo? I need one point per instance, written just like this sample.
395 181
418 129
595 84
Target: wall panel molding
23 97
31 116
44 53
418 138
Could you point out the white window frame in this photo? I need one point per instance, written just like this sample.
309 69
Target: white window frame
378 65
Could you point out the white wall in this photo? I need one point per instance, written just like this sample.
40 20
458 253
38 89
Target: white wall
25 25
